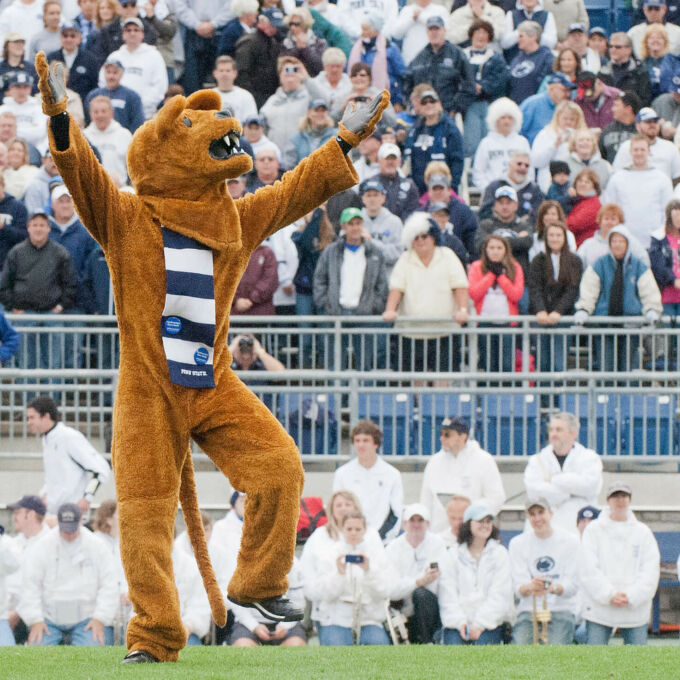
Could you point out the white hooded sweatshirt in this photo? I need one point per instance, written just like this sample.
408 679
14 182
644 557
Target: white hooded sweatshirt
112 144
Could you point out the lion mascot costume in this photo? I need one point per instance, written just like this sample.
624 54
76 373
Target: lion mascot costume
176 252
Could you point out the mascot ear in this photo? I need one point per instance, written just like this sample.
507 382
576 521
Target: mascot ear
204 100
168 114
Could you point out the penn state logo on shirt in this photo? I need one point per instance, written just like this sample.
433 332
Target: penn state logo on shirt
448 62
523 69
545 564
424 142
81 69
676 80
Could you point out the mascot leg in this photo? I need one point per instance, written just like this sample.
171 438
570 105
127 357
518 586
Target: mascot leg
251 447
148 456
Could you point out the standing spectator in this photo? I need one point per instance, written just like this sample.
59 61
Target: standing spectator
492 158
315 129
255 292
595 99
13 60
664 254
70 585
445 66
655 15
411 26
21 16
619 572
473 12
532 63
376 483
584 155
549 213
640 179
654 48
435 136
281 243
331 84
577 40
425 574
585 204
47 39
624 71
18 173
491 76
455 511
667 105
353 13
74 469
9 342
244 21
402 193
31 121
301 42
249 355
544 562
460 468
12 222
382 228
527 11
539 109
240 101
624 111
566 16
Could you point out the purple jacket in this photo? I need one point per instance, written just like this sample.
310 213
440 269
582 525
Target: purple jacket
259 283
598 113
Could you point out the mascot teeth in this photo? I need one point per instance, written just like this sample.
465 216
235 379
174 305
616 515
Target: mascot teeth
224 147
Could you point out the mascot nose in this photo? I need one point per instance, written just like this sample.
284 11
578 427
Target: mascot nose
225 113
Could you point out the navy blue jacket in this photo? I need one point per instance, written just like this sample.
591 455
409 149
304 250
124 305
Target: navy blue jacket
84 72
518 16
9 340
6 70
307 242
229 36
661 260
402 195
464 223
127 106
527 72
96 283
530 197
13 216
493 76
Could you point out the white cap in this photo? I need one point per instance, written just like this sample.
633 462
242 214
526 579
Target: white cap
416 509
389 149
59 191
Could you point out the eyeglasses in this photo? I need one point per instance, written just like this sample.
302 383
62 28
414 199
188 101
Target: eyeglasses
421 237
294 23
129 3
521 165
429 100
618 47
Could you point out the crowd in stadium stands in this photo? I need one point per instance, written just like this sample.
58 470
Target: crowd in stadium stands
437 566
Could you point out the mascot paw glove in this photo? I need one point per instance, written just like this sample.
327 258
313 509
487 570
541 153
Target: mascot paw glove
52 86
359 122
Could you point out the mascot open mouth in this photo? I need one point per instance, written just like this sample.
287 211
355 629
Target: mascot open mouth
225 147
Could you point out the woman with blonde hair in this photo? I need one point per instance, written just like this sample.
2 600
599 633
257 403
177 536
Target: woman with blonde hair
302 43
655 46
19 173
552 142
316 128
106 12
49 38
584 153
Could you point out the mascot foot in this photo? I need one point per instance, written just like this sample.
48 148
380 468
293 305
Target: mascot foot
274 608
140 656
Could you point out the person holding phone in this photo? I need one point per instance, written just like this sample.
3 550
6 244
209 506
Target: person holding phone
356 578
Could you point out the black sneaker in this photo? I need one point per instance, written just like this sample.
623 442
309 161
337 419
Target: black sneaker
140 656
274 608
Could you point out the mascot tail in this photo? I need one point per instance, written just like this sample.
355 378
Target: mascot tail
192 518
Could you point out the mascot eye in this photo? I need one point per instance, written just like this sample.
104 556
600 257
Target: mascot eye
187 122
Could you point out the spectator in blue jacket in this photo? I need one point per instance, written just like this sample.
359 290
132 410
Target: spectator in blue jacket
12 222
316 128
83 66
664 257
245 17
435 137
538 110
532 63
9 340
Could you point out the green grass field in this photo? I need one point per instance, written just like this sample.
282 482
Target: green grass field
376 663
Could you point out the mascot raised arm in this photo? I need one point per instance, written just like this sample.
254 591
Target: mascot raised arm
176 252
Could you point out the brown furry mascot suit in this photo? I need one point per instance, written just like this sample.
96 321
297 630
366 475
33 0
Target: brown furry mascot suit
176 252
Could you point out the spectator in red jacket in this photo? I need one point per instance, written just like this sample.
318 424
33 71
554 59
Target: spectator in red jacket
582 219
260 280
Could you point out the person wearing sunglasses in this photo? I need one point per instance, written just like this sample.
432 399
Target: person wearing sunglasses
624 71
302 43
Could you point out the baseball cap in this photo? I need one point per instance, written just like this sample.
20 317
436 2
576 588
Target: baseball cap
646 114
437 206
388 149
540 501
20 78
561 79
431 94
59 191
68 516
39 213
112 61
71 26
587 77
254 120
619 486
597 30
476 512
416 509
372 185
317 103
133 20
576 26
588 512
653 3
349 214
438 180
506 192
456 423
34 503
274 15
14 36
435 21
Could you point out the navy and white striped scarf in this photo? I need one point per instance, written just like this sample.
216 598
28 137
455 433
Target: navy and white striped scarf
188 321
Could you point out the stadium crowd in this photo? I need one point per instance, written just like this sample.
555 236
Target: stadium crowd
435 569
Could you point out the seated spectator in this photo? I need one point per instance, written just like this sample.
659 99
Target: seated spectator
253 132
496 286
47 39
435 136
254 293
655 15
527 11
624 71
654 48
267 168
455 510
31 121
13 60
331 84
595 99
552 142
559 188
627 184
19 173
504 120
301 42
9 564
110 137
461 468
584 154
585 205
445 66
376 483
532 63
549 212
598 42
538 110
240 101
483 583
60 596
424 575
544 570
472 12
248 355
491 76
441 215
402 193
519 178
410 26
13 218
619 572
428 281
618 284
665 260
577 40
316 128
625 108
383 229
244 21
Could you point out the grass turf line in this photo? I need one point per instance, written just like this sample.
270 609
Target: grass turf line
350 663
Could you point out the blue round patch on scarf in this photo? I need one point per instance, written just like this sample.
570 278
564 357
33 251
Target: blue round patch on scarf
173 325
201 356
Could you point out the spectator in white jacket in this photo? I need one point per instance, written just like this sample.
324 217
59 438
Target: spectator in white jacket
332 84
455 511
356 579
565 473
31 121
544 562
21 16
483 583
376 483
286 254
475 10
226 532
193 601
504 120
9 564
110 138
461 467
424 574
411 29
239 100
69 585
144 68
619 572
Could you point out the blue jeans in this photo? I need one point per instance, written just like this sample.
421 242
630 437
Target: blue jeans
599 634
560 629
6 635
496 351
199 59
488 637
194 640
42 350
311 347
581 634
79 636
474 127
333 636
